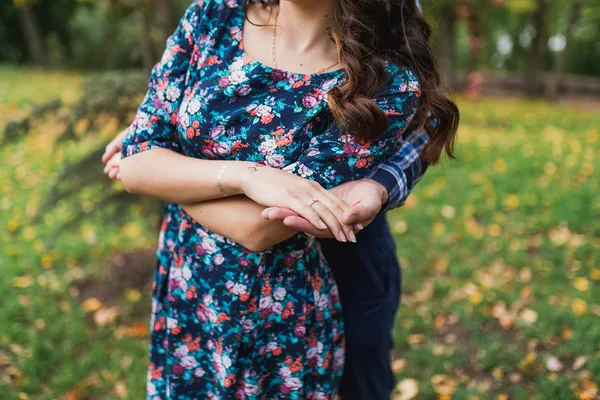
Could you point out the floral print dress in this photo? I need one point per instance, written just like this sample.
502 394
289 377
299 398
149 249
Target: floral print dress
228 323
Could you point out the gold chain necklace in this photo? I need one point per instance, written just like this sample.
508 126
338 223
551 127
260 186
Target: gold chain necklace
322 70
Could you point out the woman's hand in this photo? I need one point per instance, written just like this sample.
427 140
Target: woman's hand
114 146
112 166
365 197
272 187
112 155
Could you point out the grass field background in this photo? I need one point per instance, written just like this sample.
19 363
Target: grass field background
500 252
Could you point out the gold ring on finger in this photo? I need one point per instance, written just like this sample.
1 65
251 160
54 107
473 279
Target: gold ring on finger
313 201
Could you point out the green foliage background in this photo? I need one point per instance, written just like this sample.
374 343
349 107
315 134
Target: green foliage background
499 251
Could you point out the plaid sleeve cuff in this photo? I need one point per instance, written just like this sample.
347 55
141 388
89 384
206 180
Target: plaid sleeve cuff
394 184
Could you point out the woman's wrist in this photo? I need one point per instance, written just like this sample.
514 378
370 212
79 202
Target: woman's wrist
233 180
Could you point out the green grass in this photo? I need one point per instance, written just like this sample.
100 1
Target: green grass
500 254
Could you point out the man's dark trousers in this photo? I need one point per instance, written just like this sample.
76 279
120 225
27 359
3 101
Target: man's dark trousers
368 277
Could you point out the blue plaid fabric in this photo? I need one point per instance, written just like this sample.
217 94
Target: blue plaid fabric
401 173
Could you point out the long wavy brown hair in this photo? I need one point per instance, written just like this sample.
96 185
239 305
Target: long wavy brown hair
368 33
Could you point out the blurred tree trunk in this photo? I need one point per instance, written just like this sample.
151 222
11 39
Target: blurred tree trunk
555 81
533 81
476 38
446 44
165 16
33 34
145 35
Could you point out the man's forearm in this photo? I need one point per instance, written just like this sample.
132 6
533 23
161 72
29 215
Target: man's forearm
400 174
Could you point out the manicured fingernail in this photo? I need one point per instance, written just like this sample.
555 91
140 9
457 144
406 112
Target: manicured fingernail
343 237
352 237
322 225
359 226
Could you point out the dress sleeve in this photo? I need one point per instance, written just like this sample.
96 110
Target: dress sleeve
155 120
332 157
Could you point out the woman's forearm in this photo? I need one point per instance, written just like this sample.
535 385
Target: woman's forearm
239 219
169 176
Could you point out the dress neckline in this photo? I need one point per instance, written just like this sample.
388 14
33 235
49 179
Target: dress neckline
267 68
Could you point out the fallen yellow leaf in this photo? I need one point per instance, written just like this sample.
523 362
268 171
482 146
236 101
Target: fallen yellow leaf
47 261
439 321
579 362
137 330
443 384
13 225
415 339
525 274
438 229
581 284
515 377
23 281
92 304
553 364
500 165
105 316
560 235
120 390
133 295
400 227
497 374
579 307
511 202
529 317
494 230
448 212
408 389
398 365
441 265
527 360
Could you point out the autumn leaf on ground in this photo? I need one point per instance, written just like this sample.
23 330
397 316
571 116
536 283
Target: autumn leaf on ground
105 316
443 384
137 330
579 307
92 304
398 365
120 390
528 316
416 339
133 295
553 364
528 360
23 281
581 284
579 362
408 388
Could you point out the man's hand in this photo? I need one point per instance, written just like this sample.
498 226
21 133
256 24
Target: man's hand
112 155
364 196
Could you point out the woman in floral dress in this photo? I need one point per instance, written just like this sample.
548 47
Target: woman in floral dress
246 308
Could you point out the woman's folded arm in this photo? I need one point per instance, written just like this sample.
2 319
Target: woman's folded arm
239 219
169 176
